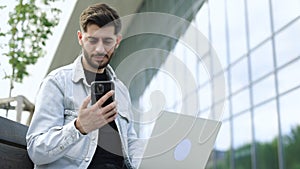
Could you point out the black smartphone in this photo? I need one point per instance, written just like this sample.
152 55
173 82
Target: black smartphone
99 89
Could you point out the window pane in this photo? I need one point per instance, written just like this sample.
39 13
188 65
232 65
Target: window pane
285 11
262 61
226 110
217 21
223 138
266 132
289 110
240 101
205 114
205 96
242 130
288 77
201 20
203 74
259 21
242 140
264 90
290 125
219 86
226 84
236 23
222 146
287 44
239 75
265 121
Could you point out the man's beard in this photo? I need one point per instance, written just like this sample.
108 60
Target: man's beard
88 58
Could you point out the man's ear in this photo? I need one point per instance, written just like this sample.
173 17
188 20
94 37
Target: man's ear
119 39
79 37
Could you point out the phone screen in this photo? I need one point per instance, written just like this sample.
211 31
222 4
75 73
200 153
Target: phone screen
99 89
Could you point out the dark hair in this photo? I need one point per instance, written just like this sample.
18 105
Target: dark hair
101 15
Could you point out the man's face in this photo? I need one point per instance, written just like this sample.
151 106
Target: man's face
98 45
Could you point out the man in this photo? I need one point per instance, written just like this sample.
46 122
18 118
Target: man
66 131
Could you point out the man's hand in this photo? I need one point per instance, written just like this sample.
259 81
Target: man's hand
96 116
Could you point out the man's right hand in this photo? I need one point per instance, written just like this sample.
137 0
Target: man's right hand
95 116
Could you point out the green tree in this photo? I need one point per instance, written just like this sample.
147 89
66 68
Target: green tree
30 25
267 154
243 157
292 149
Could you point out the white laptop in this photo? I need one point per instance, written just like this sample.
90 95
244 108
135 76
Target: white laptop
180 142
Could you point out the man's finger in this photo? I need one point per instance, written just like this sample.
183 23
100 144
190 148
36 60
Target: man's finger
110 113
86 102
101 101
112 117
109 107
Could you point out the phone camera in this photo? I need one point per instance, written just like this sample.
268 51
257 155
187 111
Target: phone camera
99 89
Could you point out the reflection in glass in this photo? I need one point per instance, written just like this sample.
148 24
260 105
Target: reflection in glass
239 75
290 127
242 130
266 134
289 109
242 140
205 96
222 148
226 110
285 11
287 44
264 90
262 61
218 38
263 79
201 20
226 84
265 121
237 35
259 21
288 77
240 101
203 74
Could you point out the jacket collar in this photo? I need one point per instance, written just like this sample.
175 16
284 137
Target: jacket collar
78 72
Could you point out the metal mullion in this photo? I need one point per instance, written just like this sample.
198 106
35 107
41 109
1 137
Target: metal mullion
198 62
265 76
263 42
280 144
267 101
211 70
232 152
248 54
246 87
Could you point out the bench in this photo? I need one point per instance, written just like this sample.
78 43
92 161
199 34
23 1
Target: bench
13 153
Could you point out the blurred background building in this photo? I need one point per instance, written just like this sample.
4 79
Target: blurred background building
257 44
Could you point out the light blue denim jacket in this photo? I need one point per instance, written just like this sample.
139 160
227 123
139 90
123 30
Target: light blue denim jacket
53 142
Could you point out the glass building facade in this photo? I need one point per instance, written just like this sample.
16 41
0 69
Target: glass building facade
257 43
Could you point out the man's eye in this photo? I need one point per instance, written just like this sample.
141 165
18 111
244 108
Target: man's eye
93 40
108 42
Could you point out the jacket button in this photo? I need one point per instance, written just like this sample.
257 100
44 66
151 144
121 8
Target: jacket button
87 159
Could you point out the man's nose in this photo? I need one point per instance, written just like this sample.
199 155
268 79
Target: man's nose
100 47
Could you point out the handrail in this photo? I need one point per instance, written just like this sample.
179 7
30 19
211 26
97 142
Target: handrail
23 104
